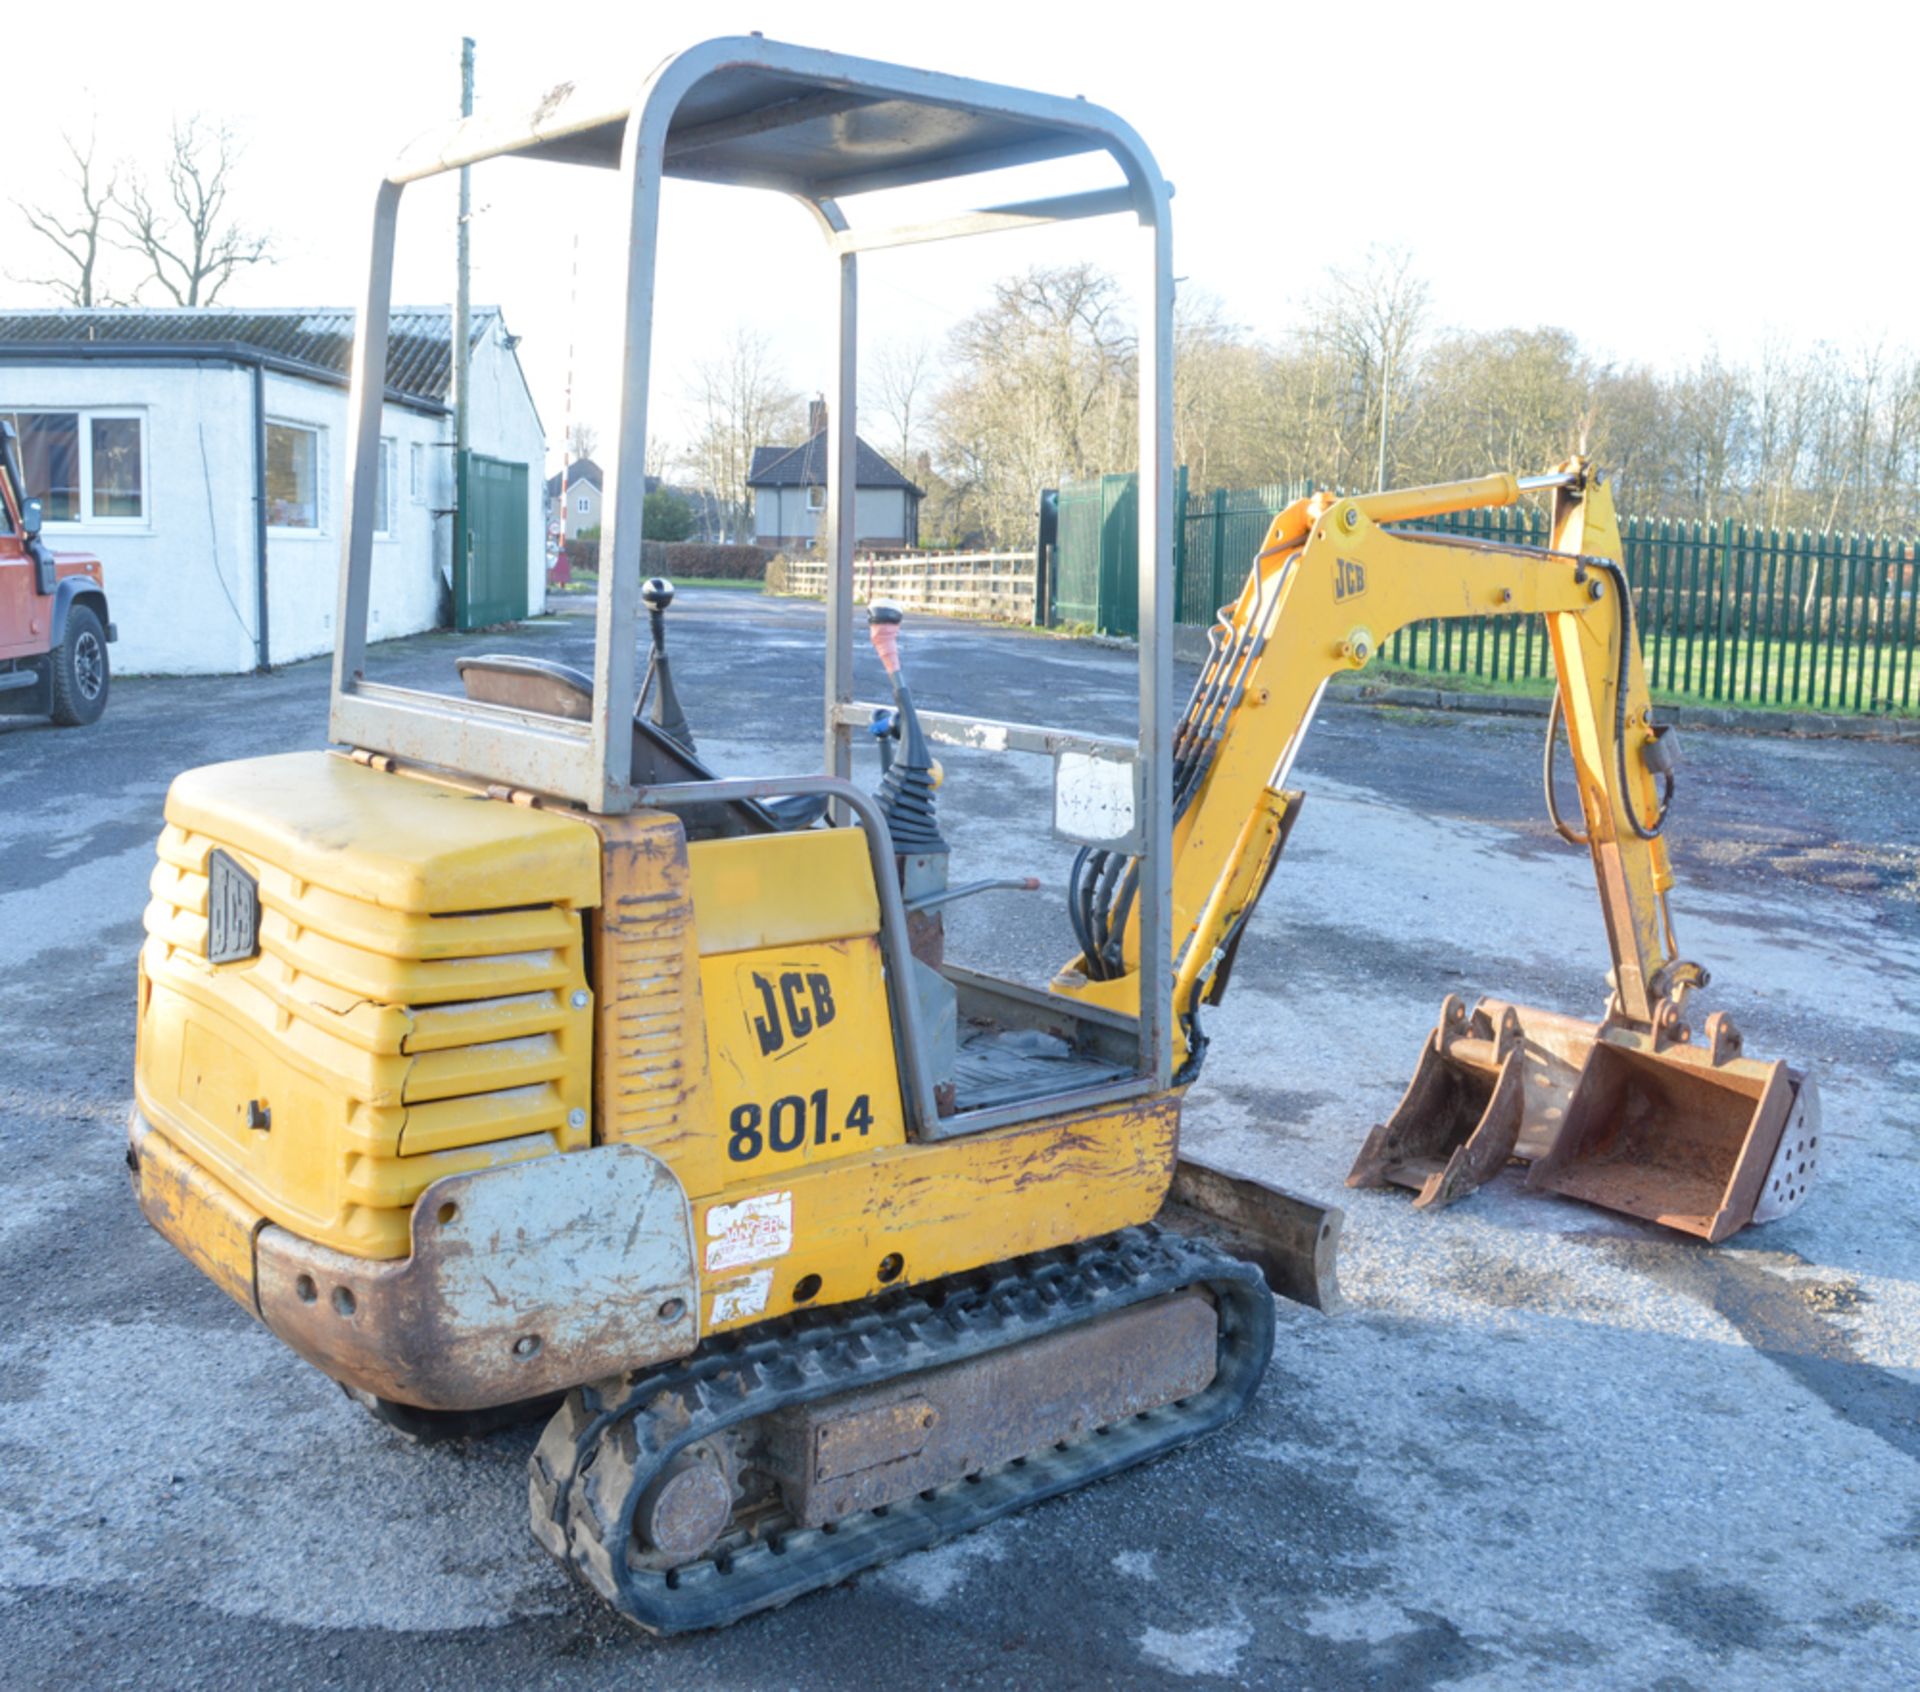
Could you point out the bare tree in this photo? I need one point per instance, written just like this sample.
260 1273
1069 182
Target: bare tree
583 441
76 232
1041 390
187 237
743 400
900 379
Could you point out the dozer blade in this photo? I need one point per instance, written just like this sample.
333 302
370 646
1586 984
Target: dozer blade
1704 1141
1694 1137
1294 1242
1458 1123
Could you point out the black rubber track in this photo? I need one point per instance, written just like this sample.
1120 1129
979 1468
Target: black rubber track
607 1441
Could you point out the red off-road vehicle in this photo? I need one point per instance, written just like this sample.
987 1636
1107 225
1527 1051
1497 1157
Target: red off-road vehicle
54 629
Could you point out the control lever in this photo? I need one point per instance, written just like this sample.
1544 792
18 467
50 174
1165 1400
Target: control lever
657 594
967 889
906 790
885 729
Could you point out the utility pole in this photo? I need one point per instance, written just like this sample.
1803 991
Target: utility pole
1386 407
462 352
566 416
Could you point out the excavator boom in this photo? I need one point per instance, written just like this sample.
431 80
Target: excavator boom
1630 1112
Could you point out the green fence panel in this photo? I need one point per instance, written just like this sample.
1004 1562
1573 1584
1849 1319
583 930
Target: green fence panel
1725 611
1076 567
490 582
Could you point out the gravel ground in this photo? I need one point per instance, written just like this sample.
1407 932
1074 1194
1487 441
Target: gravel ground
1544 1446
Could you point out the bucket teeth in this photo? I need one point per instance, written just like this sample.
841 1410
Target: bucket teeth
1695 1137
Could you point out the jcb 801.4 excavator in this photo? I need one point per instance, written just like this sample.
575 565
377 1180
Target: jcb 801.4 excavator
508 1059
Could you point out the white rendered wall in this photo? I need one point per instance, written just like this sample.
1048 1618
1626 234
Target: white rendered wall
181 581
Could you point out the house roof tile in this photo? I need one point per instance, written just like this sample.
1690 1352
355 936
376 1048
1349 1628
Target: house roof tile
805 466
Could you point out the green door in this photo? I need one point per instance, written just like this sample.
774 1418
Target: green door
492 587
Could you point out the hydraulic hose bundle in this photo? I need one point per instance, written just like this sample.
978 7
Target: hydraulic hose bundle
1101 885
1557 714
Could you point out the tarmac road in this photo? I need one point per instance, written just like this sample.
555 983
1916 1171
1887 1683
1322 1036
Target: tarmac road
1543 1447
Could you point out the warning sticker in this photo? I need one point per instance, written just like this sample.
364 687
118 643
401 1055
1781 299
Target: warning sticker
746 1232
744 1297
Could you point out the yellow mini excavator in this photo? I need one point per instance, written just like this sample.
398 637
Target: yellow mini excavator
507 1059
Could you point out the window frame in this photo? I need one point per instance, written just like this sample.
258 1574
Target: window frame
84 417
816 500
386 516
318 528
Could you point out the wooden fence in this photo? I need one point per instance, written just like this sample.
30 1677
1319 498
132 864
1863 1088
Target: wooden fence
953 584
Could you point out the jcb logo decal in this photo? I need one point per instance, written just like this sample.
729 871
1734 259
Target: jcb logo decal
791 1006
1349 579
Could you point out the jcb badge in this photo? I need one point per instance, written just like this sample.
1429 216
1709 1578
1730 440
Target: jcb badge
1349 579
233 911
790 1007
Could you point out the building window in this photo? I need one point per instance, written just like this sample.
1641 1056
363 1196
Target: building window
816 499
417 472
84 466
383 518
293 476
582 506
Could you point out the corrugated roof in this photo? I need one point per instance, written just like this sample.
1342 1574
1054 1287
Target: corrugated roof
805 466
419 341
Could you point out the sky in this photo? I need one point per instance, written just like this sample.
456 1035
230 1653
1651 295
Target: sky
1663 180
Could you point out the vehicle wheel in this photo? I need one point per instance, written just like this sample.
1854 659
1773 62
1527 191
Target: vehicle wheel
80 672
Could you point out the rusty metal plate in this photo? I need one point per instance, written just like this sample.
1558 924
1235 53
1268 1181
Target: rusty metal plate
1294 1241
864 1449
189 1208
523 1280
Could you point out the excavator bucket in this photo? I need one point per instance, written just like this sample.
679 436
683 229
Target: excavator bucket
1695 1137
1458 1122
1681 1140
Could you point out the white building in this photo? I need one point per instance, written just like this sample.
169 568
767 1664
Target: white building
201 453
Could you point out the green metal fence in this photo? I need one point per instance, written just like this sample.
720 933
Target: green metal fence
1095 580
1728 613
1097 554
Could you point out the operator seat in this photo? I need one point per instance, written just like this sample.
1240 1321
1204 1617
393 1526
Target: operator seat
559 690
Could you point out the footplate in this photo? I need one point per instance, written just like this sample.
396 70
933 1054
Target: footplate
602 1474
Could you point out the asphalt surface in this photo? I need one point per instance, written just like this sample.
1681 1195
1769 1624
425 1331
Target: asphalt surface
1543 1447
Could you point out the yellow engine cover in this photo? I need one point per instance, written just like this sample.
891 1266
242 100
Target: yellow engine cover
403 993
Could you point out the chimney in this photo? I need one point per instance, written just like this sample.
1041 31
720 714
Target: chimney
816 417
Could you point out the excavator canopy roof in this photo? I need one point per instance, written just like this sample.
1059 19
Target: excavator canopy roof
763 114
